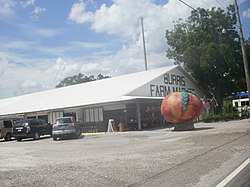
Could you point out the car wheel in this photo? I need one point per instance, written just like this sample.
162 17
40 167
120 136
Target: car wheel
54 138
36 136
18 139
8 137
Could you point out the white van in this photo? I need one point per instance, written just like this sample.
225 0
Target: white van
6 129
241 104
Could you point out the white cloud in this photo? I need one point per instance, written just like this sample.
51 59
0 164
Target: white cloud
62 69
21 75
15 44
78 13
48 33
7 8
116 19
16 77
123 18
86 45
3 64
35 14
27 3
40 31
246 13
38 10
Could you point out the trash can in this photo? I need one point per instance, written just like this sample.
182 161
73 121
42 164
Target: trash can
121 127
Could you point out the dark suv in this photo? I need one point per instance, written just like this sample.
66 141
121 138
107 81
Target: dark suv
31 128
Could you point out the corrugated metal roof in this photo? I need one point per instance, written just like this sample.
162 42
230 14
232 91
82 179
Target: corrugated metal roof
101 91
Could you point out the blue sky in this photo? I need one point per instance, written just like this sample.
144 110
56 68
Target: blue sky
44 41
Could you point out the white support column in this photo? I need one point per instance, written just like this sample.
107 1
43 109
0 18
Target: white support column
50 118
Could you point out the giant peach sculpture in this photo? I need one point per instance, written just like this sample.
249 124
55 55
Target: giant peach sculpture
181 108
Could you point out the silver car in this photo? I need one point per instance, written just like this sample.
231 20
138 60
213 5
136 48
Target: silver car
65 127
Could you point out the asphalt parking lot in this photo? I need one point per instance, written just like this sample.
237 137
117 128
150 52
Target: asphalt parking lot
161 157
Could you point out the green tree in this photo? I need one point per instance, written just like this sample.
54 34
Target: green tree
213 58
100 76
80 78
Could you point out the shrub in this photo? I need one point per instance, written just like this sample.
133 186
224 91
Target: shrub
211 118
245 113
221 117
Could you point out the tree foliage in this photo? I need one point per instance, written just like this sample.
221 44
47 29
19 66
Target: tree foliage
213 58
80 78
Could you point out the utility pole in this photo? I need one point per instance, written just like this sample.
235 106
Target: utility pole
144 47
243 48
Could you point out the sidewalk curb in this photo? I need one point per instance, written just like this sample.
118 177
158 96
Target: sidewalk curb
101 133
93 133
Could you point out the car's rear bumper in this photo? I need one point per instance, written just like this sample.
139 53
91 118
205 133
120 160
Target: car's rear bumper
64 133
22 135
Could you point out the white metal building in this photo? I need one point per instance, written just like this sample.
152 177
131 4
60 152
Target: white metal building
133 98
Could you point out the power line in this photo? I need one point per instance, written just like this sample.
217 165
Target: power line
243 23
188 5
206 3
221 5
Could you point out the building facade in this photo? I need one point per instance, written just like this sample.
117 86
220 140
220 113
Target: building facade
132 99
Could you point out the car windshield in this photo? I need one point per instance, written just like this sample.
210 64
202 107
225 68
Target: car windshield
63 120
21 123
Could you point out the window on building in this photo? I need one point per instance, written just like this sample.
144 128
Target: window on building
96 114
86 116
236 104
247 103
100 112
93 115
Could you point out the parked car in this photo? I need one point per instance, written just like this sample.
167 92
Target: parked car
5 129
65 127
31 128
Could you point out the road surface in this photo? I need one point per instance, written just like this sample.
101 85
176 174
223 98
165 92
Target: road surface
162 157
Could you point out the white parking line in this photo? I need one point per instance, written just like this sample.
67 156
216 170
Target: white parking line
234 173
